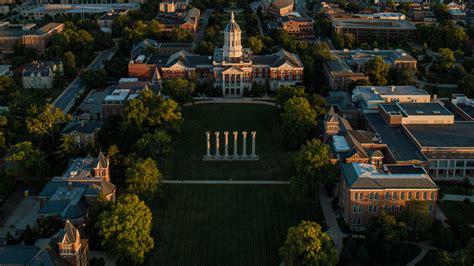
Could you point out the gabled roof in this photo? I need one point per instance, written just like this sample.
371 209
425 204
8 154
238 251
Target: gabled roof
103 161
233 69
85 127
70 234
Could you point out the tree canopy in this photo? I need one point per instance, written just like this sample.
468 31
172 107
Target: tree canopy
377 70
307 244
143 177
179 89
383 232
44 120
287 92
126 228
298 121
312 169
24 160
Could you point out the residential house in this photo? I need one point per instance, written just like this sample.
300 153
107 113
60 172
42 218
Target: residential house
41 74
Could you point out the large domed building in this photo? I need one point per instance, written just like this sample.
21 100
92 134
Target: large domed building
232 68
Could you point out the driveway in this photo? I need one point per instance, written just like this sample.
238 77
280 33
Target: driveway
205 20
66 99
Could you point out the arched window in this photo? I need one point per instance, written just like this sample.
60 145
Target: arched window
410 195
386 195
375 209
402 195
370 208
360 208
354 208
394 195
371 196
361 195
425 195
417 195
432 195
376 196
356 195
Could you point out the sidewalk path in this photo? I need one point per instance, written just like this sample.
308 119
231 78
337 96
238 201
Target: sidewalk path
425 248
227 182
334 231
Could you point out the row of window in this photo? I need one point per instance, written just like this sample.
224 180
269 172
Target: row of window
395 195
394 208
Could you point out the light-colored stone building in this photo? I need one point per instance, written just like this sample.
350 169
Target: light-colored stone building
40 75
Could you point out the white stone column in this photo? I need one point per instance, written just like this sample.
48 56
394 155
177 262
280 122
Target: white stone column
244 149
226 140
254 134
208 137
235 133
217 143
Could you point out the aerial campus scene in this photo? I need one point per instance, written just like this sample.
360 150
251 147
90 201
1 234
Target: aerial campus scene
236 132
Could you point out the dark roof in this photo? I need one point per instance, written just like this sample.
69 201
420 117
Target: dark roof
404 169
42 67
457 135
397 141
277 59
469 110
86 127
424 109
19 255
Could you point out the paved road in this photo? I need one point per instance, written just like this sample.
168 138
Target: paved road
65 100
334 231
205 19
226 182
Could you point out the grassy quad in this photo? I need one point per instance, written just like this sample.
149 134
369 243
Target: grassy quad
190 144
225 224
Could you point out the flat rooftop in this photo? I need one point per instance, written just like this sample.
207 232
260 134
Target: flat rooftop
376 92
457 135
373 24
397 141
468 109
416 109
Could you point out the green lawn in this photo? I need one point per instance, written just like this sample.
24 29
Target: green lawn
190 145
225 224
458 210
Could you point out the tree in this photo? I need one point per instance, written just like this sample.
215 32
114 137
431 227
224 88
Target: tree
126 228
383 232
154 145
7 84
418 219
94 79
466 255
3 124
287 92
312 169
377 71
318 103
298 121
24 160
154 29
67 148
179 89
143 177
404 76
447 58
307 244
69 64
44 120
467 85
256 44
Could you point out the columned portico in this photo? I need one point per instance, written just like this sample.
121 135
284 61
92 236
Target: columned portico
233 82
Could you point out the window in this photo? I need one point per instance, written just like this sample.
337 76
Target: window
371 196
375 209
385 208
370 208
400 208
408 207
417 195
393 208
402 195
430 207
386 195
353 221
354 209
376 196
358 221
425 195
360 208
432 195
395 195
409 195
356 195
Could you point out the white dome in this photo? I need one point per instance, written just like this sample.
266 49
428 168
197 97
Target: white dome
232 26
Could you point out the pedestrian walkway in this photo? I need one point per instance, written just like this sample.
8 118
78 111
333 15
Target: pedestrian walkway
334 231
226 182
425 248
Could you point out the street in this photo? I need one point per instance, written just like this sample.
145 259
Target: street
66 99
202 27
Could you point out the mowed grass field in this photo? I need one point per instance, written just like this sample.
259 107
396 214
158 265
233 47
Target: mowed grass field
225 224
190 144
